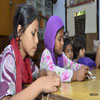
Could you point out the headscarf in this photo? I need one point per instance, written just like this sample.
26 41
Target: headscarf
54 24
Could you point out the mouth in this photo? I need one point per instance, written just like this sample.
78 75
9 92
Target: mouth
61 49
35 48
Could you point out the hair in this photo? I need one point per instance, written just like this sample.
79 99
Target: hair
24 16
78 43
67 41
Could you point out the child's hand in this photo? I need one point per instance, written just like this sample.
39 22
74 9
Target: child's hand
44 72
49 83
51 73
81 74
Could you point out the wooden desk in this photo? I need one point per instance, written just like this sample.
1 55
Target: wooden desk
86 90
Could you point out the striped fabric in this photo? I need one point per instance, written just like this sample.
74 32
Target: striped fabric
8 72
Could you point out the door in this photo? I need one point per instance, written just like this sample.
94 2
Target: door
4 17
7 9
13 8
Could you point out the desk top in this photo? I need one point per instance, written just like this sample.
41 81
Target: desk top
85 90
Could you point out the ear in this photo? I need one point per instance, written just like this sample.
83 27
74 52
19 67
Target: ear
19 28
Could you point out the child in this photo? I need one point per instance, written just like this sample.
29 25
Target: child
68 48
79 52
16 66
97 60
54 59
78 47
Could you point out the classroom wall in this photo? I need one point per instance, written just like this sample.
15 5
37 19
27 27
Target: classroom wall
91 18
59 9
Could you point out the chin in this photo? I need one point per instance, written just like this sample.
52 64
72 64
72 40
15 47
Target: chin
60 53
32 54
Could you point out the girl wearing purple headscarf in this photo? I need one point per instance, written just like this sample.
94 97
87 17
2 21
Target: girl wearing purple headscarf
54 59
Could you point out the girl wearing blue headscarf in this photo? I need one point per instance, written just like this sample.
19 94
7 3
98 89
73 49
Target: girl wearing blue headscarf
54 59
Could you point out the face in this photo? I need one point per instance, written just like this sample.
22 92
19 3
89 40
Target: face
59 42
69 51
29 39
82 52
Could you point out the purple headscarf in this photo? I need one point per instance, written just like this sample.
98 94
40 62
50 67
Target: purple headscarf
54 24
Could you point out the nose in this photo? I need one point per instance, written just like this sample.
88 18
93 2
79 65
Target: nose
62 42
36 39
84 50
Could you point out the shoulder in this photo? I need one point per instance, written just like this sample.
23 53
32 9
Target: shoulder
46 56
8 50
46 52
7 61
7 54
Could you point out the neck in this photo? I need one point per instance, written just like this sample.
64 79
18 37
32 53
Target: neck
22 52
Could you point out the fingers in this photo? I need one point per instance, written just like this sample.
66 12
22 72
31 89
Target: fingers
86 67
57 81
86 72
55 89
51 73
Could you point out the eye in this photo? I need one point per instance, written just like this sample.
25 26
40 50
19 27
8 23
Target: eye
33 33
59 39
67 50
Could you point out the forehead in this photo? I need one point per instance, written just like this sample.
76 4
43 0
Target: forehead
60 32
69 46
34 24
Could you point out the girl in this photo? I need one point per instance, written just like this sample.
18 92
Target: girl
78 47
79 52
68 48
54 59
16 66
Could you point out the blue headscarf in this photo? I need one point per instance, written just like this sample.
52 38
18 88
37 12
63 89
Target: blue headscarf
54 24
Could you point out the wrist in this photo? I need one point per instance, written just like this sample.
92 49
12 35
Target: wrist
42 72
39 85
74 77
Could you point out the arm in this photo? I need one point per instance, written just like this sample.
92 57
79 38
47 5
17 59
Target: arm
8 75
97 60
80 74
66 75
32 91
30 95
47 63
79 71
69 64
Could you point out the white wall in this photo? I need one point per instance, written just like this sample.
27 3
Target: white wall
59 9
90 24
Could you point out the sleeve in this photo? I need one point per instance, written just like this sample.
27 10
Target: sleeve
69 64
7 75
47 63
